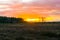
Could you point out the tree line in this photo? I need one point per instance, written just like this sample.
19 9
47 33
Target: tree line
10 20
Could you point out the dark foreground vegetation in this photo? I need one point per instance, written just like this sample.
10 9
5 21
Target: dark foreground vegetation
16 29
30 31
10 20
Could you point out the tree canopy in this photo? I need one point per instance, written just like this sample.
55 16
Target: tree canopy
10 20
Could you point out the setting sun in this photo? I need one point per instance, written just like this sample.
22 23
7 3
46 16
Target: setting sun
32 20
47 19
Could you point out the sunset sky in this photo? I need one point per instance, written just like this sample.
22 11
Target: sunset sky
31 9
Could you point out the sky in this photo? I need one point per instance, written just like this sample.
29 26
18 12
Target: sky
31 9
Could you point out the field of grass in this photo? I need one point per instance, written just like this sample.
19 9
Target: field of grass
30 31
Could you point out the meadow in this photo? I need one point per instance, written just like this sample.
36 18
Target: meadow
30 31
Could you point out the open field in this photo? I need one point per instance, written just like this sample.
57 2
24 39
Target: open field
30 31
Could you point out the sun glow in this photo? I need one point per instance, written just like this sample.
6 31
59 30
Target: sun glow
49 19
32 20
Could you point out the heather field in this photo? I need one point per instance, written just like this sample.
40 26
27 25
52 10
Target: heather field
30 31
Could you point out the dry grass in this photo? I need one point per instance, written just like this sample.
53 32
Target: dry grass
29 31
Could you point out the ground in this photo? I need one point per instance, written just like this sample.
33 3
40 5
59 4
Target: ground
30 31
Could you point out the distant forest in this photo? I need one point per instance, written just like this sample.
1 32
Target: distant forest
10 20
